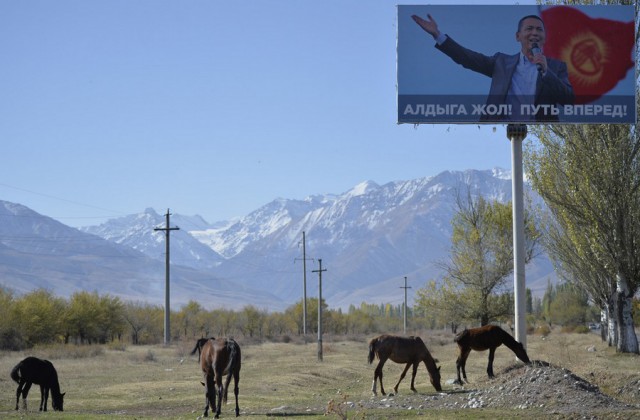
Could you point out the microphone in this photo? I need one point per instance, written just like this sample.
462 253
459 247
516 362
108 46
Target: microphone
535 50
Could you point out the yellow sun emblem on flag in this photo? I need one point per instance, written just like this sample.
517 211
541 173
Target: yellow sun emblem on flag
586 56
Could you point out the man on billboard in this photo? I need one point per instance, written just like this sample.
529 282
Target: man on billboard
523 81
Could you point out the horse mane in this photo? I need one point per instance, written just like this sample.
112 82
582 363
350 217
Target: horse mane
508 340
55 384
514 345
429 360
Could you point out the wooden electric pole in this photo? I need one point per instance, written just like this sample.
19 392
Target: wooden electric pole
405 303
167 309
304 286
319 271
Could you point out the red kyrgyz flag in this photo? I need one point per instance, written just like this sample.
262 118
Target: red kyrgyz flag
597 51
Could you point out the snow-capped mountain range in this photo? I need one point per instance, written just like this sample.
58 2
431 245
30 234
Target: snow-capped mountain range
368 238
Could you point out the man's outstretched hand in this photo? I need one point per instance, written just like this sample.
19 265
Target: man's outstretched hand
429 25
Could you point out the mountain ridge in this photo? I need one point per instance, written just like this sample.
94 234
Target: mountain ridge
369 237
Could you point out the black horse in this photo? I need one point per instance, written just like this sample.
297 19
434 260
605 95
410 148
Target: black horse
480 339
40 372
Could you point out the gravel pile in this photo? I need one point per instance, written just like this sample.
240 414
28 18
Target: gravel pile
539 386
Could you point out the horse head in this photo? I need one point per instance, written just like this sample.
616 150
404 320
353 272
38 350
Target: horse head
522 353
434 377
57 401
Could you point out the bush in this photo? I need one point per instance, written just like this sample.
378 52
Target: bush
581 329
67 351
117 346
543 330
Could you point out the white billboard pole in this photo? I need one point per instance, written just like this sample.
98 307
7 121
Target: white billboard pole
516 133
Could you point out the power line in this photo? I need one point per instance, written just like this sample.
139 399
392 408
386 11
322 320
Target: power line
60 199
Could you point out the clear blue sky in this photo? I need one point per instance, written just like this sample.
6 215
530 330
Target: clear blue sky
209 107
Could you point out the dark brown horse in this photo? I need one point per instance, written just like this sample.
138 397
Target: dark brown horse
218 358
488 337
40 372
409 350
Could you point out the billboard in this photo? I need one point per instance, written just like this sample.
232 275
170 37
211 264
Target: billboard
516 64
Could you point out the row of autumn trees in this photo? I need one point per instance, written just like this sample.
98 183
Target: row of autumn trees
40 317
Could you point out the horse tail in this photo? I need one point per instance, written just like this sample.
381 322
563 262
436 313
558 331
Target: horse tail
461 335
199 345
15 372
372 349
234 355
196 348
234 362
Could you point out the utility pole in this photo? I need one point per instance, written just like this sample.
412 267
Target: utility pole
516 133
319 271
304 286
405 303
167 310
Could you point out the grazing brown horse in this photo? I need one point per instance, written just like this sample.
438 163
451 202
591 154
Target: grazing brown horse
218 358
409 350
482 338
40 372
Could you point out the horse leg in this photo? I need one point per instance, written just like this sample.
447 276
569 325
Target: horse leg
235 389
413 376
44 393
208 387
25 392
236 378
378 374
227 381
404 372
220 392
460 366
492 353
19 391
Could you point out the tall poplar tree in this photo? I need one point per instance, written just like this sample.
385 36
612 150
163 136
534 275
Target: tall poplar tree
589 176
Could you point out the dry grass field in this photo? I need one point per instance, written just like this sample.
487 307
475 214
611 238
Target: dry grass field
286 380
